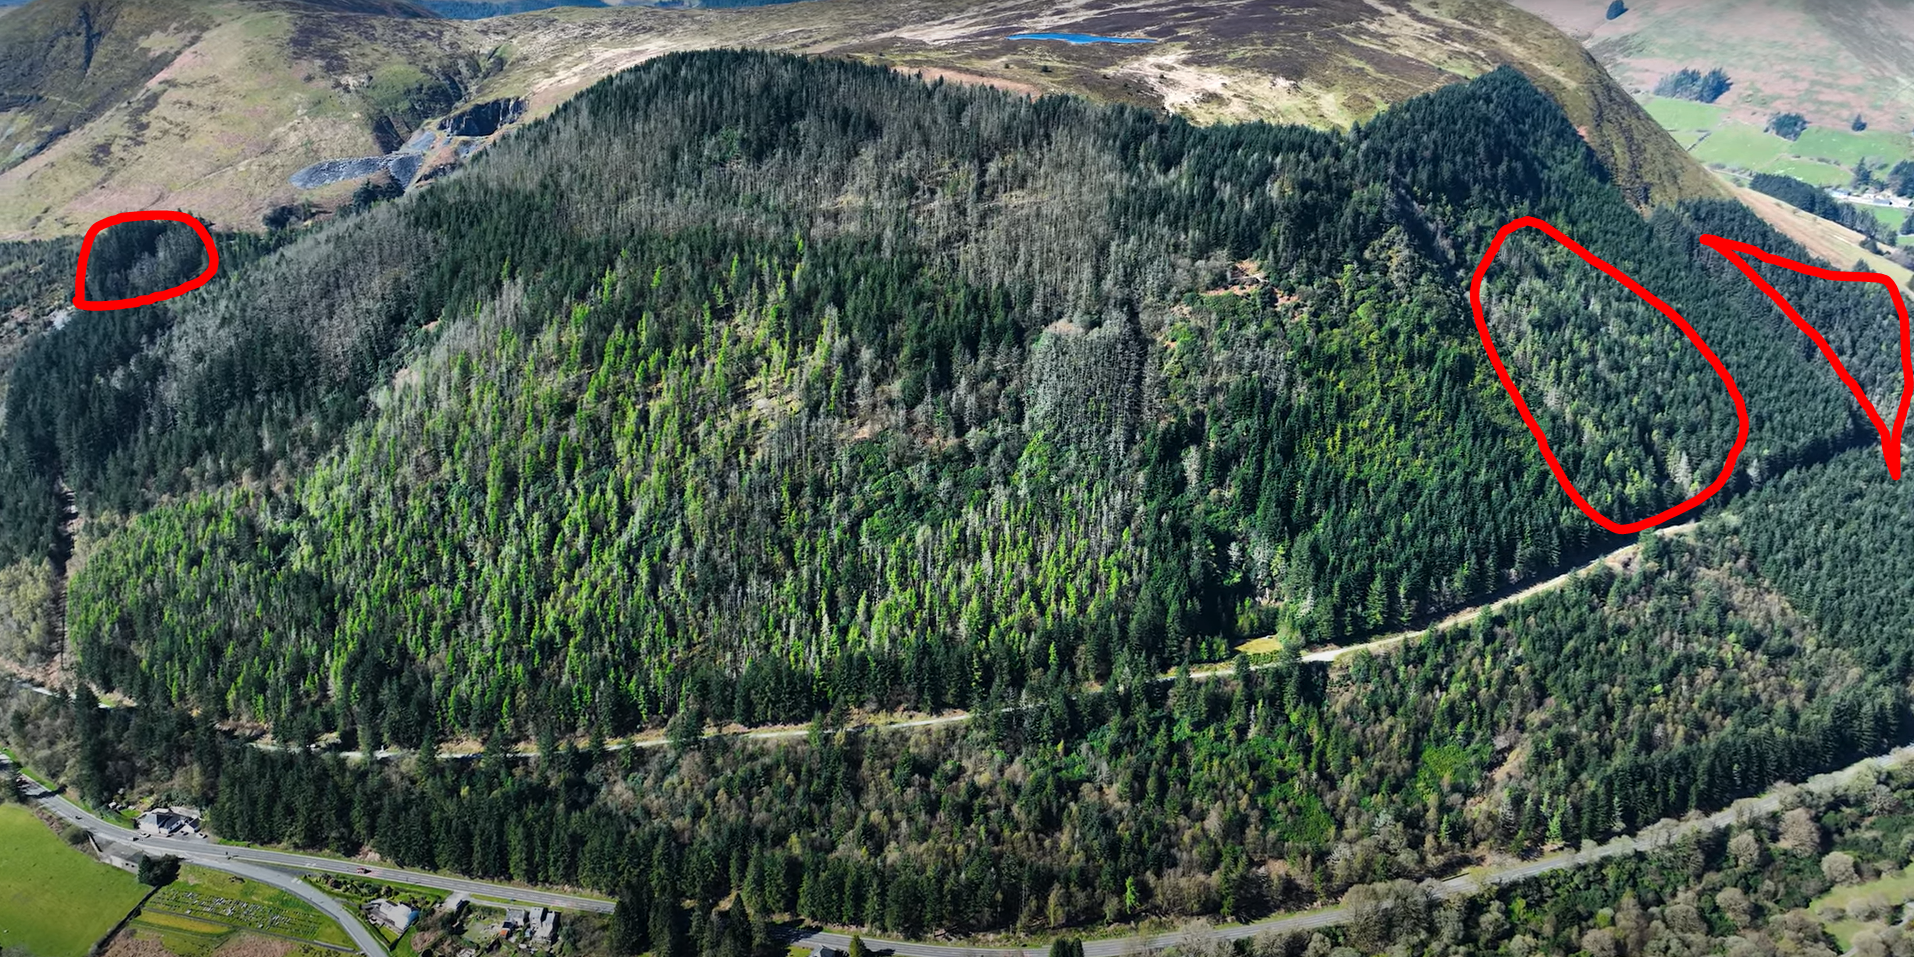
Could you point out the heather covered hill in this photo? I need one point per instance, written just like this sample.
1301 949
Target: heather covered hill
212 105
754 386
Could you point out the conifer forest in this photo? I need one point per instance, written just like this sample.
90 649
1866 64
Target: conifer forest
749 390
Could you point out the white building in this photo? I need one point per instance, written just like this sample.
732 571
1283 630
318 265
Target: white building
121 856
392 914
169 822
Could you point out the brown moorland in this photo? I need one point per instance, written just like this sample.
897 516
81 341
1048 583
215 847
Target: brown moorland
229 98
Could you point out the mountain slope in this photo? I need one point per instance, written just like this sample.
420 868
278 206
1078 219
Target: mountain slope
1325 63
1827 61
1832 63
203 106
763 385
760 388
259 91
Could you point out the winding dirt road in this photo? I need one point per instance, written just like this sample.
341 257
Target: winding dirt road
1617 559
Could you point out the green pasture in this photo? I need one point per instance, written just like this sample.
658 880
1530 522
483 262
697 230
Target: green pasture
1809 171
1675 114
1846 148
1740 145
55 901
1894 891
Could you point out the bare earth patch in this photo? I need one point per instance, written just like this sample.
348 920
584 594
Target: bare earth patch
131 943
266 91
932 74
1837 244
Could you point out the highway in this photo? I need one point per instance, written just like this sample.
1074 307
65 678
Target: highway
361 935
258 864
269 867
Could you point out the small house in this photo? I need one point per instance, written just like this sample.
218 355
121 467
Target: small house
121 856
391 914
168 822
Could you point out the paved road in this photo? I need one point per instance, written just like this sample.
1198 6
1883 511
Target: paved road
1858 201
257 864
1460 886
253 862
360 934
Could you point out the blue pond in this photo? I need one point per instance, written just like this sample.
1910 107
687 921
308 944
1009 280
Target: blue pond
1078 38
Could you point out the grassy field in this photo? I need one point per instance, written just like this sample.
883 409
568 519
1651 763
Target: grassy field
1891 216
1824 156
1675 114
1846 148
1809 171
1742 146
1826 61
1892 891
181 936
54 900
205 906
1267 645
1687 138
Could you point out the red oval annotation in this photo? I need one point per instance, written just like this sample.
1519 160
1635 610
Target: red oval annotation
1890 438
1535 428
86 249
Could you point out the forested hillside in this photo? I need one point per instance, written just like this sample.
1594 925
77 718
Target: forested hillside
1701 670
765 386
758 389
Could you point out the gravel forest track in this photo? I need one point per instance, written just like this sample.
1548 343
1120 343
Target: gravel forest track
1615 559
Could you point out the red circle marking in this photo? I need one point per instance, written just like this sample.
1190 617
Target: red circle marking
86 249
1535 428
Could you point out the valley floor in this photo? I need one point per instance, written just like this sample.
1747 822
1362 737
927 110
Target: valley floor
268 866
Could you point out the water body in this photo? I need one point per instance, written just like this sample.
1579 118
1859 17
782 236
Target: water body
1078 38
481 9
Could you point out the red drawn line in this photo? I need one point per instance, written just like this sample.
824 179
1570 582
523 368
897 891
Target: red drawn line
1535 428
86 249
1890 438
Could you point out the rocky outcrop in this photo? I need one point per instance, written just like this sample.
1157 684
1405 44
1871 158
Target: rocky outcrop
464 132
